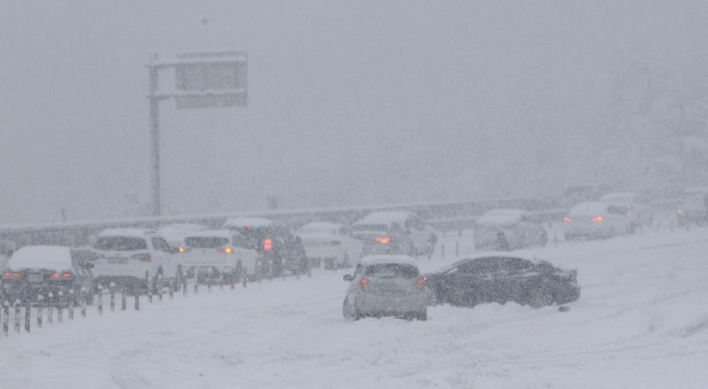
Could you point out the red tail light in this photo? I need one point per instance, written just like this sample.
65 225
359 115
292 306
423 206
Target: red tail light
267 244
7 274
17 275
55 275
142 257
226 250
184 249
66 275
364 284
384 240
597 219
568 219
420 282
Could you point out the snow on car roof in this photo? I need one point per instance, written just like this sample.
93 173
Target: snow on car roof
54 258
593 208
500 216
385 217
494 254
319 227
619 196
376 259
248 221
181 227
129 232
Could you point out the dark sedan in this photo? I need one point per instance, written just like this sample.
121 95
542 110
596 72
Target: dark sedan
500 278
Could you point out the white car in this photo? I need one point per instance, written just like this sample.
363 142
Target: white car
134 258
693 207
386 285
638 207
174 233
394 233
513 226
597 220
215 253
331 244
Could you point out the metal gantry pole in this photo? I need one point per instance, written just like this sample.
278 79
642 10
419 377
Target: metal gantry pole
155 140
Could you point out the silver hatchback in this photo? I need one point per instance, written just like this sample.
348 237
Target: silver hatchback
386 285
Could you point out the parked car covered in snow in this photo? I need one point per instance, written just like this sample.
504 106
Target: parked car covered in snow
394 233
278 249
213 254
597 220
40 270
693 207
500 278
133 258
510 227
386 285
637 205
330 244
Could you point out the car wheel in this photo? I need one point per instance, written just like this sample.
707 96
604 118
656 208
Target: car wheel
422 316
539 299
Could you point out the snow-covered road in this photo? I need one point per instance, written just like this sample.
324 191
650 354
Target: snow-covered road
641 322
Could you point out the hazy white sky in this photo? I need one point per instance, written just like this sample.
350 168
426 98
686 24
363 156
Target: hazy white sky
354 103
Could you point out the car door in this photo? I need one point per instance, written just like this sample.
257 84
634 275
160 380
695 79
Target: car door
511 277
473 282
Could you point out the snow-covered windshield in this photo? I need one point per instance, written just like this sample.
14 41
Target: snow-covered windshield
120 243
317 231
391 270
205 242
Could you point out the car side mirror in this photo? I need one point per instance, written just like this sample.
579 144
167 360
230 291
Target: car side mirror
348 277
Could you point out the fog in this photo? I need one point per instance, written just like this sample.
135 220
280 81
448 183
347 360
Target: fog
360 103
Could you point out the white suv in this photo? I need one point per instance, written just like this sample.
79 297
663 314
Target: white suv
133 258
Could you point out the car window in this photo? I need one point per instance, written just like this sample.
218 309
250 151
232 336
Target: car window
359 271
514 264
206 242
239 240
617 210
120 243
391 270
482 265
160 244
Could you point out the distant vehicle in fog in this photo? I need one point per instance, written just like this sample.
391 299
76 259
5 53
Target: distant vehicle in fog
693 207
394 233
40 270
637 205
579 193
134 258
174 233
517 227
212 254
597 220
386 285
278 249
500 278
331 244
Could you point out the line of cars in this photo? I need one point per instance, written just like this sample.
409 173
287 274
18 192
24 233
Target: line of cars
146 259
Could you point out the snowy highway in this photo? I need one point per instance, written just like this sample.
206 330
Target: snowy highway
641 322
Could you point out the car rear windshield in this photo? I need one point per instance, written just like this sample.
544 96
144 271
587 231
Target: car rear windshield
369 227
120 243
206 242
391 270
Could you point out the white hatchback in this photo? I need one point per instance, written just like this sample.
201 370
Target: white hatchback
516 227
331 244
213 254
134 258
637 205
597 220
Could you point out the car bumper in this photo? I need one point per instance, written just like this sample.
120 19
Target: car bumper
371 304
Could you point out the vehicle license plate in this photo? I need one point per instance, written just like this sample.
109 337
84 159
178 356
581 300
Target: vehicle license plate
35 278
117 260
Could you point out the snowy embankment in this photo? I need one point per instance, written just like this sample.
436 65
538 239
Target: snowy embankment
641 322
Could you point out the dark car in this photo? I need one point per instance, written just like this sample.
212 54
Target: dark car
501 278
40 270
278 249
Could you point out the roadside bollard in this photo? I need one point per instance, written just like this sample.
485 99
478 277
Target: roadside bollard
137 296
171 290
100 300
83 301
123 303
209 282
442 251
112 291
233 280
71 304
457 249
244 278
221 280
149 293
17 316
6 319
196 287
160 292
60 307
27 316
40 301
184 288
50 308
